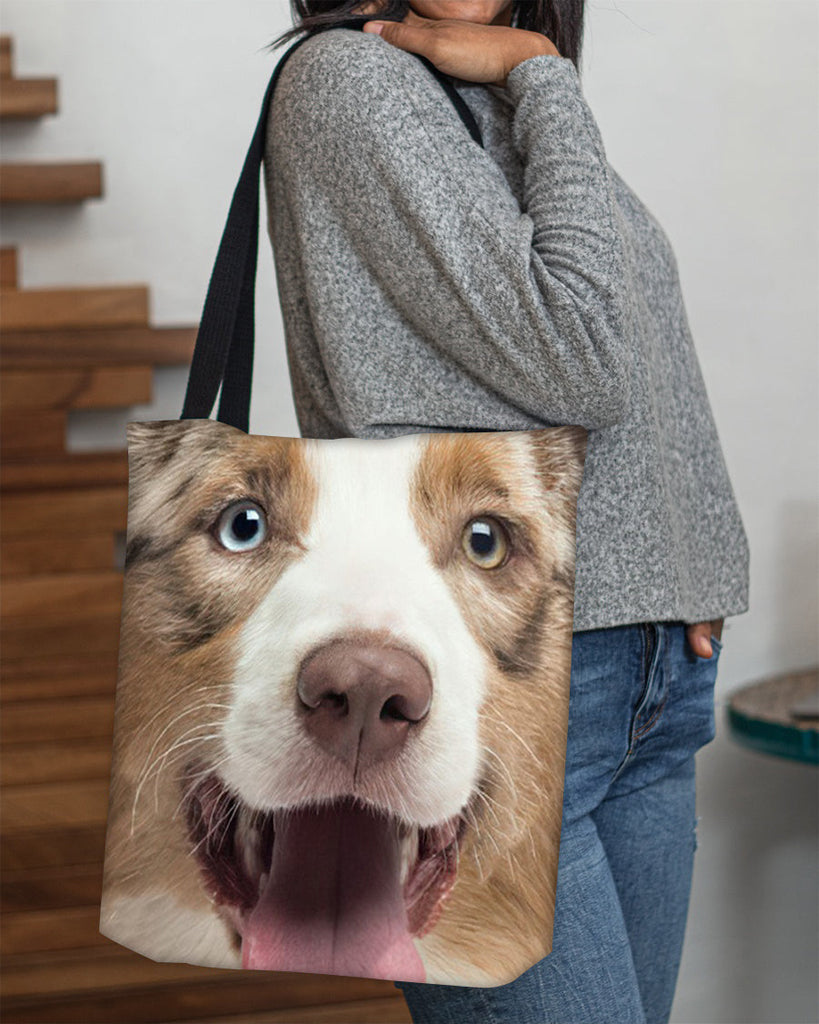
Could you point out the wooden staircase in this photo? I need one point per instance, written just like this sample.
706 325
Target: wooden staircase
61 524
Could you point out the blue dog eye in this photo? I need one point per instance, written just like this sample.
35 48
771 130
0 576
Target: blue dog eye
242 526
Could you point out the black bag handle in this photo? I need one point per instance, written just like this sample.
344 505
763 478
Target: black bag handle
224 343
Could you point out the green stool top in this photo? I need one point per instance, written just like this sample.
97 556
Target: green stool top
779 716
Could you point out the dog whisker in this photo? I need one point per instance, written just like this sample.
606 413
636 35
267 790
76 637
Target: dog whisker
145 773
502 765
527 801
189 688
472 821
188 711
222 825
166 762
517 736
212 827
161 767
488 833
194 777
191 784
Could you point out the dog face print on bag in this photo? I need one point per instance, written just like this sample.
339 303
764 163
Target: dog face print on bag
342 701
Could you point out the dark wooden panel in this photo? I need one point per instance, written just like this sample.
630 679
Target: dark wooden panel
108 966
55 806
41 721
390 1010
38 669
29 556
184 992
60 760
85 677
25 645
40 930
63 597
50 888
44 848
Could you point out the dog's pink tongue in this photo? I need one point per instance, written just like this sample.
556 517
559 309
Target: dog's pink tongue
333 903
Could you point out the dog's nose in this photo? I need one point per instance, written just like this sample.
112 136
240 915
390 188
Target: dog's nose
361 700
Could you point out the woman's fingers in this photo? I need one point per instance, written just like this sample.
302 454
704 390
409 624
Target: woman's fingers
467 50
699 636
413 33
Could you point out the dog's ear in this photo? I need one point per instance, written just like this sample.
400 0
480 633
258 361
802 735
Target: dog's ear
163 457
154 447
560 453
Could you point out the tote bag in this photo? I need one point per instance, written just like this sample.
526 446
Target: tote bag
342 697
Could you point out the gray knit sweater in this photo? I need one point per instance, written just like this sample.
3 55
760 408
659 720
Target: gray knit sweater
427 284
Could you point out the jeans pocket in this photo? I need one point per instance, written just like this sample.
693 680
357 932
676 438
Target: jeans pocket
716 646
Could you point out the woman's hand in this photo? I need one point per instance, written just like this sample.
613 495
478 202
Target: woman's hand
464 49
699 636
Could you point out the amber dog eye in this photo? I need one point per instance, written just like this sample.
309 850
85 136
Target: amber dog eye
485 543
241 527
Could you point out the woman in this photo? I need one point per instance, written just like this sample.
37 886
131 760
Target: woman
429 284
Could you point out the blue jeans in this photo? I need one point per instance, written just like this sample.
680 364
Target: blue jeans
641 704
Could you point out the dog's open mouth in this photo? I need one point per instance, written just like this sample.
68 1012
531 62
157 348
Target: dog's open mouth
333 889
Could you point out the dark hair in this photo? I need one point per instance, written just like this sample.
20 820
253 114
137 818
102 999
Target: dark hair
560 20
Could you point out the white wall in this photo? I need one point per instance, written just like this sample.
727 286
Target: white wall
709 109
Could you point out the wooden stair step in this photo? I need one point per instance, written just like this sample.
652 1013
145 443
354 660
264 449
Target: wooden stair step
70 470
8 267
387 1010
56 513
50 888
67 613
58 761
35 670
54 806
91 636
41 721
63 597
26 435
103 387
109 966
100 968
154 346
39 930
91 678
44 309
109 983
47 848
197 1008
6 57
27 98
70 665
50 182
28 556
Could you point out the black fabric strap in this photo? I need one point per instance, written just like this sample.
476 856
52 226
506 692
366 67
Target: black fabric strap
223 355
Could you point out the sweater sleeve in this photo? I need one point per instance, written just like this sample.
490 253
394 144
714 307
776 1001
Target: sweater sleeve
533 300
